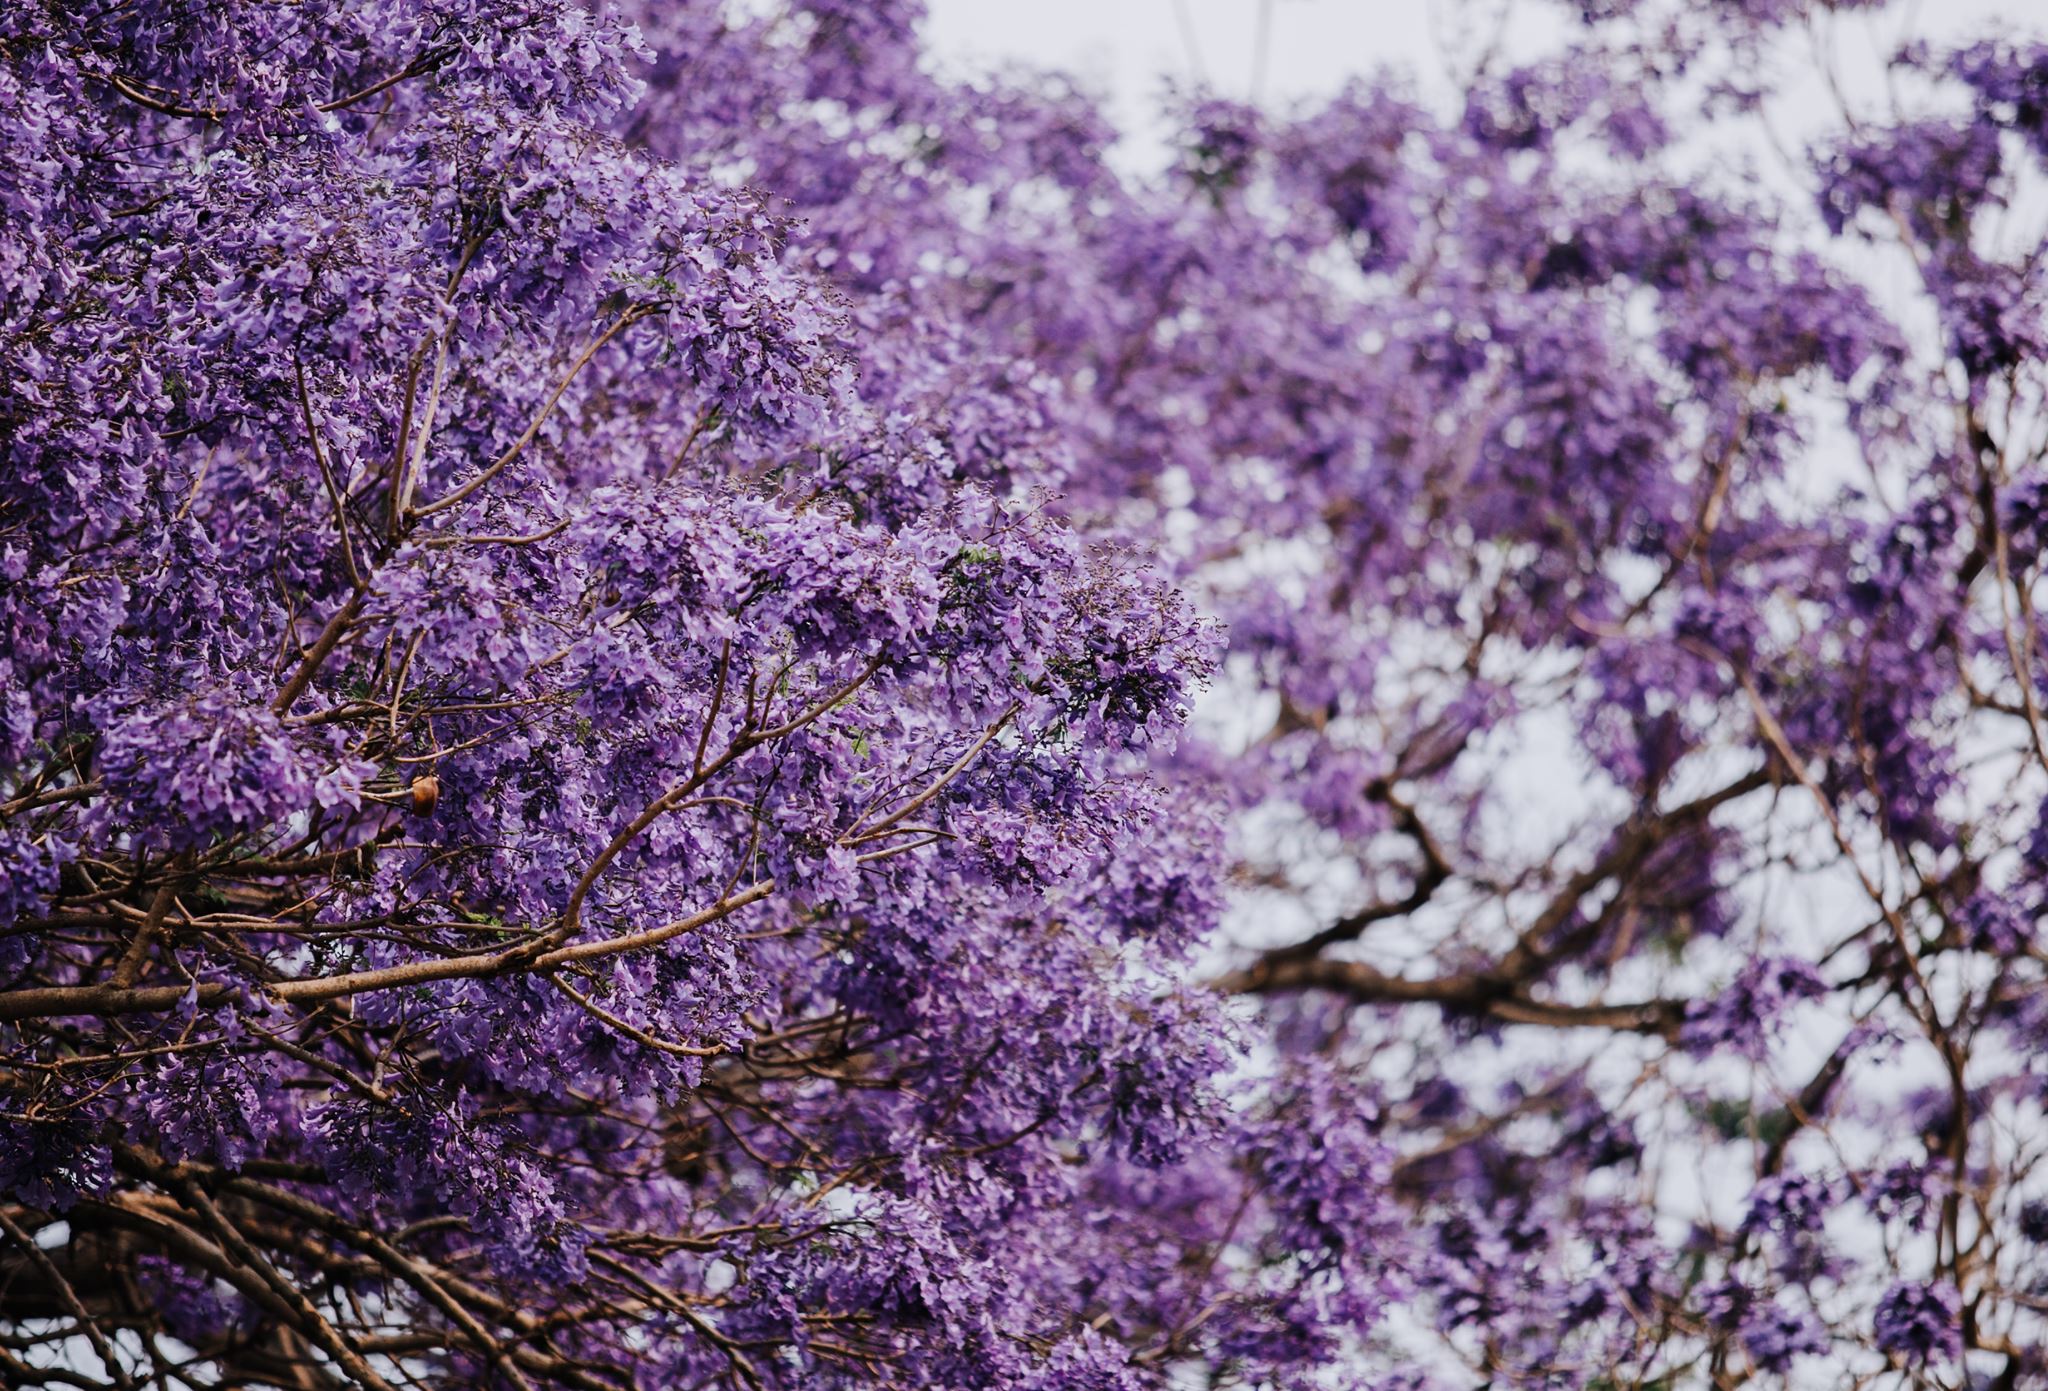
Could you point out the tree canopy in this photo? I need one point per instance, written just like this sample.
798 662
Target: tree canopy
686 702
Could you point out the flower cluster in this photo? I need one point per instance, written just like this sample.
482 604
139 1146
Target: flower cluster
683 703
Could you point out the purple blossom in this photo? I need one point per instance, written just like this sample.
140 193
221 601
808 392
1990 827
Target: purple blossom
686 700
1775 1336
203 768
1748 1015
1920 1321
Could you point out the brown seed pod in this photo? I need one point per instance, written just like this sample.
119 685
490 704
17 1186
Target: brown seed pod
425 792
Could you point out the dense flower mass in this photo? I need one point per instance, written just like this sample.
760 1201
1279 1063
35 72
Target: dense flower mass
683 704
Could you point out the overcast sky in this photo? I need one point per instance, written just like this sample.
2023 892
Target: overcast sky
1125 47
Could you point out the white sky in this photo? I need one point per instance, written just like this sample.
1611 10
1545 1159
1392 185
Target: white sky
1124 47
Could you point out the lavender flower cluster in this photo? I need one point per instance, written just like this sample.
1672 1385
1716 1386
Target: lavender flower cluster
649 653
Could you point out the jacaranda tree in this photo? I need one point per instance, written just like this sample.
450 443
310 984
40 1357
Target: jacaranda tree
605 779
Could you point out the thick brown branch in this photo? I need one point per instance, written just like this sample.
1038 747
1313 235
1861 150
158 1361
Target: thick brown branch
1480 995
